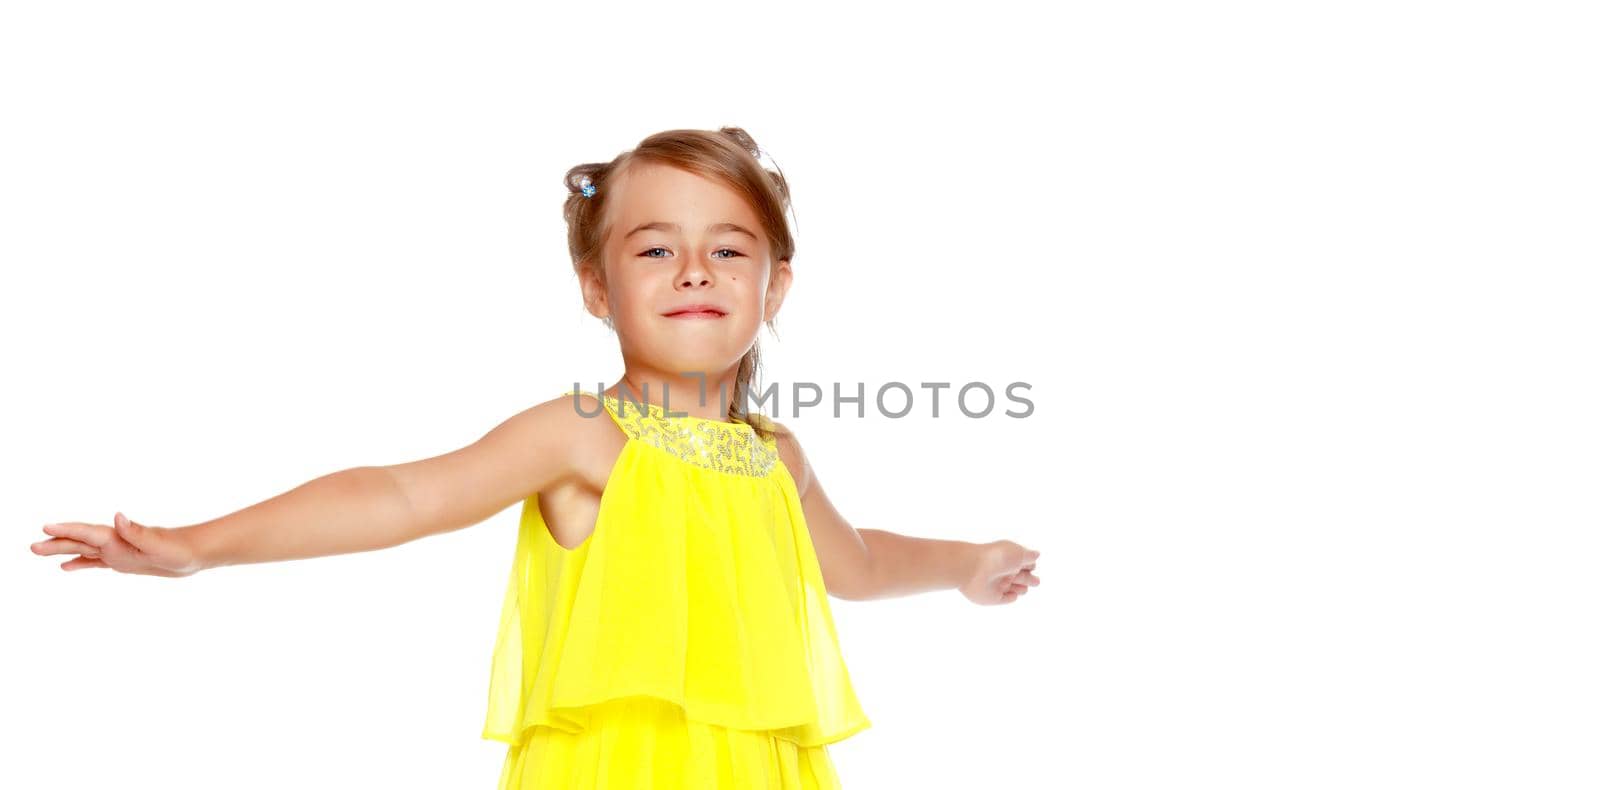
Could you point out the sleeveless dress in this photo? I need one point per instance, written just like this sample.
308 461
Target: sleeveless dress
688 641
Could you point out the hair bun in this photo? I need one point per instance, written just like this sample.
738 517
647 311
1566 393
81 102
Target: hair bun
743 138
582 175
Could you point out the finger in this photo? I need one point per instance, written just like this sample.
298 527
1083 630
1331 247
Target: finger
1008 596
93 534
83 562
65 546
136 534
1028 578
1019 589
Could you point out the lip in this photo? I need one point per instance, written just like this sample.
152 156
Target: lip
696 311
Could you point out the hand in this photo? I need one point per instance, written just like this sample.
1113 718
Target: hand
1002 572
125 547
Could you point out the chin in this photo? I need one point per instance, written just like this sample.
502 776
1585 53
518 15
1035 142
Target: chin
679 363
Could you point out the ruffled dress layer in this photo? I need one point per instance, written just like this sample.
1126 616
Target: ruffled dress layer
688 641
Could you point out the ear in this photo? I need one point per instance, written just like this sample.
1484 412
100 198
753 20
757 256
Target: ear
777 288
594 294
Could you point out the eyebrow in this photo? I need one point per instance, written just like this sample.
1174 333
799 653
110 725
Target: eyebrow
673 226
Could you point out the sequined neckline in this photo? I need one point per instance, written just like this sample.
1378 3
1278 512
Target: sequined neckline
732 447
631 406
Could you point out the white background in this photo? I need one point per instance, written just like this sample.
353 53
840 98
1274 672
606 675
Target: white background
1306 297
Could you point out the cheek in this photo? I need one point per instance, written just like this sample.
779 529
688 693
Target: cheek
630 293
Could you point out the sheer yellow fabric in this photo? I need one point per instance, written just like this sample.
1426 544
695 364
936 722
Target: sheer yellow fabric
688 641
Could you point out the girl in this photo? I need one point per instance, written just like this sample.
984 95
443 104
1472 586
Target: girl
666 622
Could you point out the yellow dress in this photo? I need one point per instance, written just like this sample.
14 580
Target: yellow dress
688 641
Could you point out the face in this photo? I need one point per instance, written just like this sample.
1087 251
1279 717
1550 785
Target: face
677 240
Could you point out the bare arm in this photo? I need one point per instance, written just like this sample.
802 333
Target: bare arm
841 552
868 564
368 507
357 509
906 565
351 510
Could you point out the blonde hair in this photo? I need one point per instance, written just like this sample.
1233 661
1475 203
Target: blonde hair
728 156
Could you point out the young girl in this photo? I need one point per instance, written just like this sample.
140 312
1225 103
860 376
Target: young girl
666 623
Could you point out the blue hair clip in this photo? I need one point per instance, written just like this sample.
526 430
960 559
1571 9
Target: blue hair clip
588 187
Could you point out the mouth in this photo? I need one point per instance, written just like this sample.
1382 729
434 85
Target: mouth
696 312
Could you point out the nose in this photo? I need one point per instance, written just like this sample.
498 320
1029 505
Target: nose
694 273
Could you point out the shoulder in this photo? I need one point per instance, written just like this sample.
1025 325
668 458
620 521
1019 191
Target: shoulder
525 453
565 415
584 424
790 452
573 431
550 425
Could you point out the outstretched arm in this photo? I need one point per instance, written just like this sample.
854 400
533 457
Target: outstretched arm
867 564
357 509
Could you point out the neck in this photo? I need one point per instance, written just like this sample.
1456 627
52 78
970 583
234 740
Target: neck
706 397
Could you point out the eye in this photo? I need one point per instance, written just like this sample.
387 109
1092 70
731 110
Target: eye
647 252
